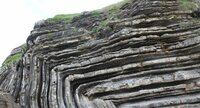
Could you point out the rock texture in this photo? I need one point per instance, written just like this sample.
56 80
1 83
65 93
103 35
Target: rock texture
6 101
148 56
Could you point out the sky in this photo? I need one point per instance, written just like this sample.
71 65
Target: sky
17 17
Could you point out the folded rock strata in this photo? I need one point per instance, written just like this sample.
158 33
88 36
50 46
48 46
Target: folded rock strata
147 57
6 101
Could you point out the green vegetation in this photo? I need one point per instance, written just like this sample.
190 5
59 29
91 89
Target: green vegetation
96 13
23 46
16 57
12 59
101 24
113 7
187 5
65 18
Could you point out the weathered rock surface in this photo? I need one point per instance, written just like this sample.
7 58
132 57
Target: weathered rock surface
148 58
6 101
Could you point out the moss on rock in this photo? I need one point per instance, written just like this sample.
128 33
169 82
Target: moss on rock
12 59
15 55
187 5
65 18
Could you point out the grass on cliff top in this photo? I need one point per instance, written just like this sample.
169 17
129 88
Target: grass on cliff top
111 10
65 18
23 46
113 7
12 59
187 5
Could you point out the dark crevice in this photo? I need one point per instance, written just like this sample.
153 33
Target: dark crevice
40 82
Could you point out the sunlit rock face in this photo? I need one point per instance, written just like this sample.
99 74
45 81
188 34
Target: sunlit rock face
146 56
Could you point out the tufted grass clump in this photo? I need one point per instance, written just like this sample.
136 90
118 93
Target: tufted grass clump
12 59
187 5
67 18
64 18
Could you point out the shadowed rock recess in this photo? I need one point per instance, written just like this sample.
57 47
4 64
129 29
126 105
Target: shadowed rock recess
146 54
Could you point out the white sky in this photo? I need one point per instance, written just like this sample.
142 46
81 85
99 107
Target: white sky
17 17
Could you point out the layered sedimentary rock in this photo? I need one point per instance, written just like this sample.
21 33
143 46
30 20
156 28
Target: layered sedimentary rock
146 57
6 101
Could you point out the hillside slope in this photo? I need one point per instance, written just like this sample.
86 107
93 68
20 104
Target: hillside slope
134 54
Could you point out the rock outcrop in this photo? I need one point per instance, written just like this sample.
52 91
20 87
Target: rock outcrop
147 55
6 101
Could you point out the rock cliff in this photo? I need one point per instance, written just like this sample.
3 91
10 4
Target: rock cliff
143 54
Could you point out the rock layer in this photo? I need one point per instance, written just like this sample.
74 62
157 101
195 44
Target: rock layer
6 101
148 58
